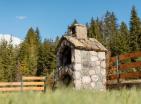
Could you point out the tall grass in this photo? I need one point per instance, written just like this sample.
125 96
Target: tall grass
68 96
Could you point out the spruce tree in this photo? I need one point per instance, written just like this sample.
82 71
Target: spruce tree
74 22
94 30
57 40
134 31
37 31
7 62
28 55
91 29
47 57
122 39
110 30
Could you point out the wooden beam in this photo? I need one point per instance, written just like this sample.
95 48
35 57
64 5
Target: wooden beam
33 88
7 89
130 65
130 55
33 83
33 78
132 75
127 66
10 89
10 84
125 56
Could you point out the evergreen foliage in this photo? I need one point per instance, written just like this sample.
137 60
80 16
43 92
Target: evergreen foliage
74 22
135 31
47 58
28 55
110 29
7 62
123 39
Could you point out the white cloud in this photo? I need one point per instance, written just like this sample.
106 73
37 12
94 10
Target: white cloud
21 17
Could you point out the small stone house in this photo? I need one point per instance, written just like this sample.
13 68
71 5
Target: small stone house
81 61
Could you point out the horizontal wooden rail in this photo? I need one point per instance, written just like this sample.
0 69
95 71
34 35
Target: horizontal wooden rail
33 78
33 83
23 89
19 83
130 65
10 84
127 66
33 88
126 56
125 76
130 81
10 89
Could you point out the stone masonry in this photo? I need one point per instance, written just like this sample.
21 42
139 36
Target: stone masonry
89 70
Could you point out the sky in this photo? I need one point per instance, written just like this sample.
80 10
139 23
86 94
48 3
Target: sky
52 17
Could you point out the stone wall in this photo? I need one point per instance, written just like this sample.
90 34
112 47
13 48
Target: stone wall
89 69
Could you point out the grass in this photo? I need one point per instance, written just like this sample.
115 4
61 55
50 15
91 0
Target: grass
68 96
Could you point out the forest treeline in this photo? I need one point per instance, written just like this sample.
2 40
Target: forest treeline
36 57
32 57
118 38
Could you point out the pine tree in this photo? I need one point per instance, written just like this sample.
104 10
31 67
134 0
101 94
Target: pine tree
40 61
37 31
91 29
74 22
57 40
50 55
28 55
110 30
94 30
47 58
7 62
134 31
124 32
122 39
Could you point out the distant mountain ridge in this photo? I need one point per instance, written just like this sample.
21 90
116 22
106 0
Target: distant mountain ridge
10 39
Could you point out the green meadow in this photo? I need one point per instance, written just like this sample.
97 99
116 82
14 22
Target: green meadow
69 96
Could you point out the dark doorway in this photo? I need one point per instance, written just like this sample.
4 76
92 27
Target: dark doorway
66 56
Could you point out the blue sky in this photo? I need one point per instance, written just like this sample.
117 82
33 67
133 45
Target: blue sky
53 16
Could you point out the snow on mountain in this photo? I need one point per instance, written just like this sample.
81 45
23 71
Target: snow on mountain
10 39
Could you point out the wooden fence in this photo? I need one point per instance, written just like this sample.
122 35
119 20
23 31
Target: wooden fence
124 67
26 84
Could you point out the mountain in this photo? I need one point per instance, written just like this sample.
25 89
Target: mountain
10 39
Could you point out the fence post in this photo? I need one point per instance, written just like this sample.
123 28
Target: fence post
117 69
45 80
21 84
108 56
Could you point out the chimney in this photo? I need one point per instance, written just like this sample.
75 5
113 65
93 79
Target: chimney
79 31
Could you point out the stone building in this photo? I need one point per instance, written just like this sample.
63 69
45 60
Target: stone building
81 61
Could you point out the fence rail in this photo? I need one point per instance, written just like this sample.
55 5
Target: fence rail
126 56
131 75
26 84
33 78
127 66
114 71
